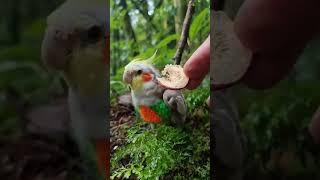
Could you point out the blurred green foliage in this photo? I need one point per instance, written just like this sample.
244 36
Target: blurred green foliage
23 79
275 122
196 99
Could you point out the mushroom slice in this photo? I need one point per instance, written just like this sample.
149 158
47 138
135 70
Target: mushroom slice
173 77
230 60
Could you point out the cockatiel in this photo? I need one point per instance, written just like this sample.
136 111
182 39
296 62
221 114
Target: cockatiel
152 102
76 44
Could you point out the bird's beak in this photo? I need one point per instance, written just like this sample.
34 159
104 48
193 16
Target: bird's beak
56 47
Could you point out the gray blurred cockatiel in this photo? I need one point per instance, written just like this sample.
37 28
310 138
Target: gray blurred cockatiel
152 102
230 143
230 146
75 43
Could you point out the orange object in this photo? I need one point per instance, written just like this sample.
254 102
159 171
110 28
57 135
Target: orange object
149 115
146 77
103 156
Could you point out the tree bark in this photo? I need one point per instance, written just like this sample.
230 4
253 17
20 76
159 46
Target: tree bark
129 32
181 11
185 32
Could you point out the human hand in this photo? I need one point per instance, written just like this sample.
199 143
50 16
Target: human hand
198 65
276 32
314 127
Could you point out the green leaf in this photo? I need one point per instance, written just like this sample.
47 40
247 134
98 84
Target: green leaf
197 23
167 40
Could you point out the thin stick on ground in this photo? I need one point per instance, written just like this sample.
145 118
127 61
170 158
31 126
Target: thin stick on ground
185 33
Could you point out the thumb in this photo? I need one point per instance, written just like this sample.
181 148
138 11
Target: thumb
314 127
198 65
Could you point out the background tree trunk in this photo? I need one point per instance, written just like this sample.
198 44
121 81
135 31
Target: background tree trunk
128 26
181 11
127 21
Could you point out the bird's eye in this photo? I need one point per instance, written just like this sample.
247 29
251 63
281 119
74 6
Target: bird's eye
94 33
139 72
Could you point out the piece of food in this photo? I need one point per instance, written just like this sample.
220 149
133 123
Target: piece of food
173 77
230 60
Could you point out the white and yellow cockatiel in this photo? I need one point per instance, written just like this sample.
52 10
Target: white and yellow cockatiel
76 44
152 102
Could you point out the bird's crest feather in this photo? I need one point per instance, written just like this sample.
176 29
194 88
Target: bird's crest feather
150 60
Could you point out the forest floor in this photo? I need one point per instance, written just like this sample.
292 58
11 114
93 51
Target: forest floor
36 145
194 139
36 157
120 117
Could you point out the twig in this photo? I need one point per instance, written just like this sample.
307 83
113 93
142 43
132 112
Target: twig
185 32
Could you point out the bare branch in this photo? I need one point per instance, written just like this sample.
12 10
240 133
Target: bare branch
184 33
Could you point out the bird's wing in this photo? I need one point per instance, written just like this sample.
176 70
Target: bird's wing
230 147
176 102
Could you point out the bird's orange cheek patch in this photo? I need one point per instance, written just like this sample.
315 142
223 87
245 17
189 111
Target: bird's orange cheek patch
146 77
149 115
